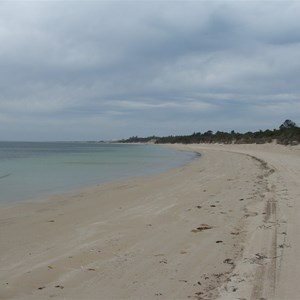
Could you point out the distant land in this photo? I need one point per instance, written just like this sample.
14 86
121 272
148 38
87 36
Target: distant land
288 133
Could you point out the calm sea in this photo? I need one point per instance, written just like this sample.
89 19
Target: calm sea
33 170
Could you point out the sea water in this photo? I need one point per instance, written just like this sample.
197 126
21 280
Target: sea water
31 170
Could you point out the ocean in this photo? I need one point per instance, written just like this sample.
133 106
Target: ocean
32 170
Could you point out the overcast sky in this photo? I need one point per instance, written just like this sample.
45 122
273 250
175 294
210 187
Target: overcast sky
93 70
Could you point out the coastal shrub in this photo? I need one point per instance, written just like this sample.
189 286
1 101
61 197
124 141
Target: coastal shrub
287 134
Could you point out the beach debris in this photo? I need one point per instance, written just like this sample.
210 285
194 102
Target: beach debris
183 252
91 269
284 245
206 276
260 256
51 221
41 287
59 286
212 205
182 280
50 267
251 214
158 294
234 233
218 242
201 228
242 199
159 254
228 261
199 283
218 275
163 261
258 259
204 227
199 206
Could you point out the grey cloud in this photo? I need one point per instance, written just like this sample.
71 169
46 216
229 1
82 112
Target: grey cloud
117 63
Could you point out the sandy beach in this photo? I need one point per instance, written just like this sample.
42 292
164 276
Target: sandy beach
225 226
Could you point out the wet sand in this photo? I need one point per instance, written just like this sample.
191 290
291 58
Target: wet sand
224 226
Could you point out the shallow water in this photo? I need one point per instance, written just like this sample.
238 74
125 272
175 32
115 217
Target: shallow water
32 170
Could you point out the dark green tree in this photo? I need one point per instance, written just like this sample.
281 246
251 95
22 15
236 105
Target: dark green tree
288 124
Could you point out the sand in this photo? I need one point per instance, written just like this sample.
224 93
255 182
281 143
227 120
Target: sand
225 226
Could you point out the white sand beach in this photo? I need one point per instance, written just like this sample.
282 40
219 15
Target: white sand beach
225 226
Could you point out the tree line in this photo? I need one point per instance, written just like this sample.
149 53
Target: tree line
288 133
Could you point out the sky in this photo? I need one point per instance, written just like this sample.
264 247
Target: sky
106 70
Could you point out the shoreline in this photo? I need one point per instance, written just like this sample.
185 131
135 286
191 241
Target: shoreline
74 169
213 228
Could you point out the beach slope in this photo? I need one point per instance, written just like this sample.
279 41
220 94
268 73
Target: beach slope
224 226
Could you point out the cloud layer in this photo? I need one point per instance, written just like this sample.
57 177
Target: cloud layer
76 70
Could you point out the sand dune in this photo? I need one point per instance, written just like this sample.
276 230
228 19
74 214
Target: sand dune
225 226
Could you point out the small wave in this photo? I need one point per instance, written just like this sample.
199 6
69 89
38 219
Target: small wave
91 163
4 176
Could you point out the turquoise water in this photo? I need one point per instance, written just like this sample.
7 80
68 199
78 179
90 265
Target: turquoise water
33 170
